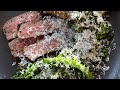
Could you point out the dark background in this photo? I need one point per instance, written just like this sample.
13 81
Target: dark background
6 59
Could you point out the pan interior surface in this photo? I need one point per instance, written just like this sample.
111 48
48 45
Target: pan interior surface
114 63
6 59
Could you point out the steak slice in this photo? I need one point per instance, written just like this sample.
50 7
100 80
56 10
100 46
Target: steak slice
33 29
11 26
39 49
17 45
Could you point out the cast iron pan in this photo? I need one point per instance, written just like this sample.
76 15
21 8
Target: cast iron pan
6 59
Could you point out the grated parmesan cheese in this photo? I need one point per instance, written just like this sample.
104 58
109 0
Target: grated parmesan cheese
81 46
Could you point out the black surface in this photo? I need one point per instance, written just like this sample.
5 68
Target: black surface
6 59
115 54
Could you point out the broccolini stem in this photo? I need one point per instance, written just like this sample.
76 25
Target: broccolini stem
71 62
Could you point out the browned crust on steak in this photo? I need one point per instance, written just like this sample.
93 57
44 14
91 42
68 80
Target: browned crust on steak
61 14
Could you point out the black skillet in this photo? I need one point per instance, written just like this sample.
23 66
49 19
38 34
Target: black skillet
6 59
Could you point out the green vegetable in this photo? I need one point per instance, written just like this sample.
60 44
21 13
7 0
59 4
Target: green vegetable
105 31
71 62
27 73
74 26
67 61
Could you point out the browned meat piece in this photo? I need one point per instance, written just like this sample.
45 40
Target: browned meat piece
42 27
11 26
17 45
39 49
61 14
